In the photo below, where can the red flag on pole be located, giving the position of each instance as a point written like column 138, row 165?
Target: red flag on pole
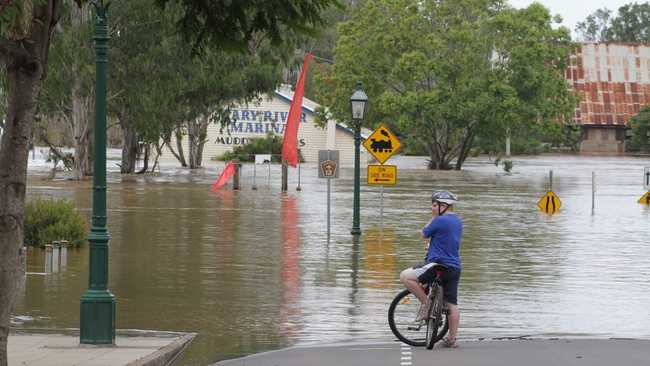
column 289, row 145
column 227, row 173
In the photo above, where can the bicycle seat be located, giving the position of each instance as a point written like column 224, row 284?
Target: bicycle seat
column 440, row 269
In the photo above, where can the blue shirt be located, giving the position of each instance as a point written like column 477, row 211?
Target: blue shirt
column 445, row 232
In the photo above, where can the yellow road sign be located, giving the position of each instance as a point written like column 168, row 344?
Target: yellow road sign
column 382, row 174
column 550, row 203
column 382, row 144
column 645, row 200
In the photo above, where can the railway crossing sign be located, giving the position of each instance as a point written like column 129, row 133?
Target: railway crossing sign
column 382, row 144
column 645, row 199
column 382, row 174
column 550, row 203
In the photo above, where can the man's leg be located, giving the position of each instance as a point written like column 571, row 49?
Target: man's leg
column 410, row 280
column 454, row 321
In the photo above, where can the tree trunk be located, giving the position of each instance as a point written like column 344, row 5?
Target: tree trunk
column 179, row 146
column 82, row 128
column 145, row 159
column 197, row 133
column 24, row 53
column 467, row 143
column 14, row 152
column 81, row 105
column 129, row 149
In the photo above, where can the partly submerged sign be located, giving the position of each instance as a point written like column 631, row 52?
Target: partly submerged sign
column 550, row 203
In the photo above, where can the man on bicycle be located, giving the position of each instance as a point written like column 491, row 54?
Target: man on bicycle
column 443, row 232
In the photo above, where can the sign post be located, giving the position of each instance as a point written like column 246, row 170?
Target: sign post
column 328, row 167
column 382, row 144
column 645, row 199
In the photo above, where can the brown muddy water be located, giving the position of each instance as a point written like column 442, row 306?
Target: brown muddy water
column 252, row 270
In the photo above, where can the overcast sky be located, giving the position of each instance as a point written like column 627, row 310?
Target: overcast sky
column 574, row 11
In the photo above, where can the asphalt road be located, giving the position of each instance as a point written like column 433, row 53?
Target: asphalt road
column 524, row 352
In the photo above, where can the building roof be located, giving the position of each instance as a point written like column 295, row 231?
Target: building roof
column 285, row 93
column 612, row 81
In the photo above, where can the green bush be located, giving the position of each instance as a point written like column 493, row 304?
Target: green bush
column 271, row 144
column 49, row 220
column 640, row 141
column 507, row 165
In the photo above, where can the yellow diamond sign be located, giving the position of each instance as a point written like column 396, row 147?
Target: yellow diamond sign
column 382, row 144
column 645, row 200
column 550, row 203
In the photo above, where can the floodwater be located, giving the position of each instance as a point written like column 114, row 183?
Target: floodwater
column 252, row 270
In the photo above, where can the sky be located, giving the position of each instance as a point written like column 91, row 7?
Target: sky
column 574, row 11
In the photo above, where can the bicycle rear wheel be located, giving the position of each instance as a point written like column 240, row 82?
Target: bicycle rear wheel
column 401, row 319
column 437, row 322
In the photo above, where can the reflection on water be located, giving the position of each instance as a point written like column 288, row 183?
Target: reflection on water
column 252, row 270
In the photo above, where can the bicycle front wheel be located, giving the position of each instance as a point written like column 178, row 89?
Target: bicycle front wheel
column 401, row 319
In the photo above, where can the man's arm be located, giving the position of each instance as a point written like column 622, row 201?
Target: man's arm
column 429, row 229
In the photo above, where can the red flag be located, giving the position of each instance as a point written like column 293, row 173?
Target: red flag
column 227, row 173
column 289, row 145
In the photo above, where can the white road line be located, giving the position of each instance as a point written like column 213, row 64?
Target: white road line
column 406, row 355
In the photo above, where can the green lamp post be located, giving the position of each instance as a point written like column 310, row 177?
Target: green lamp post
column 98, row 303
column 358, row 106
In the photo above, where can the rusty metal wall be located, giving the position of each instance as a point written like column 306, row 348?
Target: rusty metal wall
column 612, row 80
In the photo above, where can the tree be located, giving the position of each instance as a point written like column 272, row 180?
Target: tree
column 68, row 93
column 232, row 24
column 596, row 27
column 443, row 72
column 630, row 24
column 25, row 34
column 184, row 94
column 641, row 131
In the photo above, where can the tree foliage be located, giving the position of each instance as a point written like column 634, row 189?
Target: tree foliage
column 640, row 124
column 444, row 72
column 69, row 91
column 271, row 144
column 161, row 89
column 233, row 24
column 630, row 24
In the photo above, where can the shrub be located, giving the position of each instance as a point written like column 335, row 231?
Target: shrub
column 507, row 165
column 49, row 220
column 271, row 144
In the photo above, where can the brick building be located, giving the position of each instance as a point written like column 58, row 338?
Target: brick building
column 613, row 83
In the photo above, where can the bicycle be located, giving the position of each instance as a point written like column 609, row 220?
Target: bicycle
column 404, row 309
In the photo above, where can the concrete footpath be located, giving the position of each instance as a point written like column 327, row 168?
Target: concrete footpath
column 524, row 352
column 132, row 347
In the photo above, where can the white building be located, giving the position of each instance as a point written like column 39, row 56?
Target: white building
column 255, row 120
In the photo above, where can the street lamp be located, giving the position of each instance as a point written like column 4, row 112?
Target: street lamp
column 358, row 106
column 98, row 303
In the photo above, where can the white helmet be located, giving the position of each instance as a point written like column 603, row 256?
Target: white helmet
column 445, row 197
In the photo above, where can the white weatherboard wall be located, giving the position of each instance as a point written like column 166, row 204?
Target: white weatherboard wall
column 255, row 120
